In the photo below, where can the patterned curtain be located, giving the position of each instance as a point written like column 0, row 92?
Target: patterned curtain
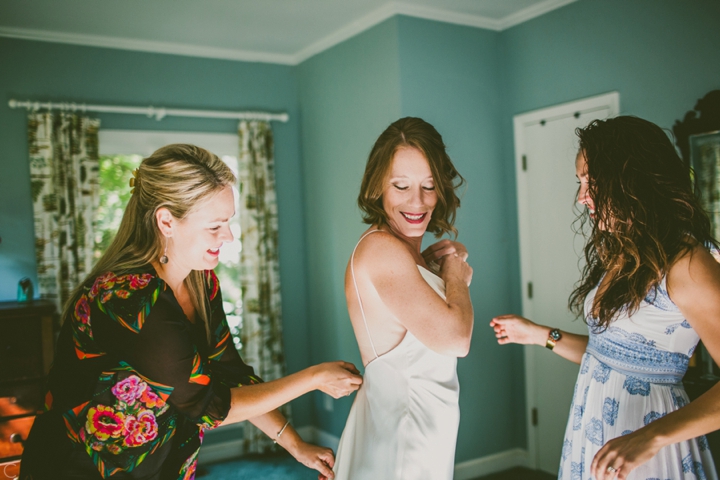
column 259, row 273
column 64, row 179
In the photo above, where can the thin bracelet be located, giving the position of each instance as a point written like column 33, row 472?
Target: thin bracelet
column 277, row 437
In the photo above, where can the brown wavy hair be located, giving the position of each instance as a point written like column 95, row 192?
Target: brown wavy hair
column 642, row 190
column 417, row 133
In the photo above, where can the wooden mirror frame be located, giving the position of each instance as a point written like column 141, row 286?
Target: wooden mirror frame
column 703, row 119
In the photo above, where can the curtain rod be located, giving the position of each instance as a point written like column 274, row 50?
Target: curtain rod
column 158, row 112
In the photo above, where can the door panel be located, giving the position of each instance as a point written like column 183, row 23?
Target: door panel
column 551, row 260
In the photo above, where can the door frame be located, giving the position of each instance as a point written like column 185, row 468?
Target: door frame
column 612, row 102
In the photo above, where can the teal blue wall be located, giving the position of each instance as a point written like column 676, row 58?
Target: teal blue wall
column 469, row 83
column 348, row 95
column 49, row 71
column 659, row 54
column 449, row 77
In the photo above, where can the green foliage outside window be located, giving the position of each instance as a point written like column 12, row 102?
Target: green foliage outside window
column 115, row 175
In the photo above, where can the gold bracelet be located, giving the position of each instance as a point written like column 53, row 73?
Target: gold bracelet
column 277, row 437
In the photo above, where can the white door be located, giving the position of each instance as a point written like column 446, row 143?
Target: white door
column 551, row 258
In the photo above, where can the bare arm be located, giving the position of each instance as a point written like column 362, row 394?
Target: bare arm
column 444, row 326
column 312, row 456
column 337, row 379
column 517, row 329
column 694, row 285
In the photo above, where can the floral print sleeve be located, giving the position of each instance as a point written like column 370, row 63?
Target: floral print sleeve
column 127, row 418
column 225, row 363
column 161, row 375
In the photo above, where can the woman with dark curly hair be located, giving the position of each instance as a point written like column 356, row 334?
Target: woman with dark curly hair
column 411, row 323
column 650, row 291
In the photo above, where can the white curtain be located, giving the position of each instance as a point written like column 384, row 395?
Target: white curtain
column 259, row 271
column 64, row 179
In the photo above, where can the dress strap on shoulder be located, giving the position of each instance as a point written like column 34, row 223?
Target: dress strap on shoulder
column 357, row 291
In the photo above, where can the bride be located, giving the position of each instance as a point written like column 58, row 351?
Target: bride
column 410, row 323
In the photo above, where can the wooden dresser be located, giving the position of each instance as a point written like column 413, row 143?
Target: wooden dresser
column 26, row 353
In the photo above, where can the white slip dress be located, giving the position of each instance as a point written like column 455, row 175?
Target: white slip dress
column 630, row 376
column 403, row 423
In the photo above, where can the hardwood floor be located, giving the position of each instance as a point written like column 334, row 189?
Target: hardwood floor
column 519, row 474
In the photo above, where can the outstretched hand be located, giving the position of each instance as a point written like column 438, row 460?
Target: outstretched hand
column 517, row 329
column 618, row 457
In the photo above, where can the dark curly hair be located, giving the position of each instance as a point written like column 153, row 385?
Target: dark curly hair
column 643, row 192
column 416, row 133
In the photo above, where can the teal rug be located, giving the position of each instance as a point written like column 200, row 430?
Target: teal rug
column 266, row 467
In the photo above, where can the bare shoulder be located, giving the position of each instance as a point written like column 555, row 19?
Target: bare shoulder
column 694, row 273
column 382, row 250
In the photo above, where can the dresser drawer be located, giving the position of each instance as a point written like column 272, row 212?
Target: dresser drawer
column 12, row 435
column 26, row 339
column 9, row 470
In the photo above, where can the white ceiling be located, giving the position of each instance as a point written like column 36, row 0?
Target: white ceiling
column 275, row 31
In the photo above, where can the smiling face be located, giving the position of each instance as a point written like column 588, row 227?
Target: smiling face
column 581, row 172
column 409, row 196
column 583, row 196
column 196, row 239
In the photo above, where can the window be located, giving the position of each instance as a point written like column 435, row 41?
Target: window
column 120, row 153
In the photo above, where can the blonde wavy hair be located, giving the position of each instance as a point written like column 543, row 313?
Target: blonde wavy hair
column 176, row 177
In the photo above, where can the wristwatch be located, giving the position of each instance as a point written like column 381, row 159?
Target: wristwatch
column 553, row 337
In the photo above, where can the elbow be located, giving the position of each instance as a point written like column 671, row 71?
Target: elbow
column 464, row 338
column 462, row 348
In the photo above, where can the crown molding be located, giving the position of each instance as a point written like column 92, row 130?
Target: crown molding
column 389, row 10
column 439, row 15
column 146, row 46
column 348, row 31
column 531, row 12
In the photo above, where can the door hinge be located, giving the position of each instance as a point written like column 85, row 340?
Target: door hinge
column 524, row 163
column 534, row 417
column 529, row 289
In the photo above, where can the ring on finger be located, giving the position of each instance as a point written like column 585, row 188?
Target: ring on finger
column 611, row 469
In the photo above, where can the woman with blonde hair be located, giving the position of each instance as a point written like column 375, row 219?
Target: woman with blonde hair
column 410, row 323
column 145, row 363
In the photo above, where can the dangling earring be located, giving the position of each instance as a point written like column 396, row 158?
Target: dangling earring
column 164, row 258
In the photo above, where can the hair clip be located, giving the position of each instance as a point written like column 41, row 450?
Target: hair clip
column 134, row 180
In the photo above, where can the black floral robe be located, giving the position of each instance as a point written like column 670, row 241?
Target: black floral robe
column 134, row 384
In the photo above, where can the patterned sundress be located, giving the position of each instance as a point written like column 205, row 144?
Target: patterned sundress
column 630, row 376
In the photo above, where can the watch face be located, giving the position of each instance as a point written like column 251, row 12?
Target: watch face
column 555, row 334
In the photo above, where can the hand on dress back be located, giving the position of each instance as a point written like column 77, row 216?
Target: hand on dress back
column 337, row 379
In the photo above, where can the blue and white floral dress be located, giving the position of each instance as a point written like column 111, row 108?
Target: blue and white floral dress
column 630, row 376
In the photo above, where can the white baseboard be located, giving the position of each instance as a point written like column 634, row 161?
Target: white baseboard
column 230, row 449
column 227, row 450
column 220, row 452
column 497, row 462
column 466, row 470
column 319, row 437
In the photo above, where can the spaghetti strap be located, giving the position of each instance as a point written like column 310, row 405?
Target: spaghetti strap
column 362, row 310
column 404, row 420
